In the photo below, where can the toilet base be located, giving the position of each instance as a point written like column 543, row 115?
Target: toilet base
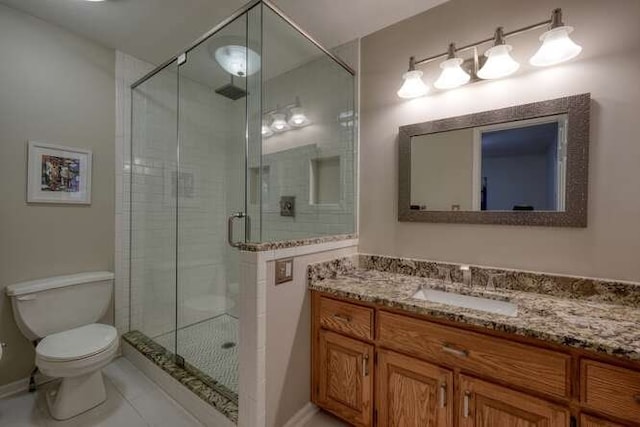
column 76, row 395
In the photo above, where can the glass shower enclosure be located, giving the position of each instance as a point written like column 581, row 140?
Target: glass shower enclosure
column 246, row 137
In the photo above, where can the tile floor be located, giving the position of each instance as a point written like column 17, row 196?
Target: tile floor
column 132, row 400
column 323, row 419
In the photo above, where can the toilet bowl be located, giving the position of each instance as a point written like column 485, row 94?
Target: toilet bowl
column 59, row 314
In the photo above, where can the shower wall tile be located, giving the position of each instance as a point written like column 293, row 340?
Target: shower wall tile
column 128, row 70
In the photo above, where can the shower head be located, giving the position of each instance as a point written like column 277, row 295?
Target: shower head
column 231, row 91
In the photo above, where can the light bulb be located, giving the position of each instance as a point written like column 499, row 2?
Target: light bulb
column 266, row 130
column 233, row 59
column 279, row 124
column 298, row 118
column 413, row 85
column 452, row 75
column 556, row 47
column 499, row 63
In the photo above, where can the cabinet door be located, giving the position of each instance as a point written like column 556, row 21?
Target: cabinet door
column 412, row 393
column 345, row 384
column 483, row 404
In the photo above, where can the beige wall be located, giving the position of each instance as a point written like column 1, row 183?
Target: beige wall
column 608, row 68
column 59, row 88
column 288, row 339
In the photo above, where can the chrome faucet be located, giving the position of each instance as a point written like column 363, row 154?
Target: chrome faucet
column 466, row 274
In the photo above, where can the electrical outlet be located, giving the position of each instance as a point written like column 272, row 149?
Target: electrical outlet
column 284, row 270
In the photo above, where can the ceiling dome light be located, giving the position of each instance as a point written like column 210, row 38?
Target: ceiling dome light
column 413, row 85
column 266, row 130
column 452, row 75
column 233, row 59
column 298, row 118
column 499, row 61
column 557, row 46
column 279, row 124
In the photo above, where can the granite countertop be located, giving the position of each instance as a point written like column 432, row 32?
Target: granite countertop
column 608, row 328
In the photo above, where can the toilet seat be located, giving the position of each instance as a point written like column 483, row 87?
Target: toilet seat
column 77, row 351
column 78, row 343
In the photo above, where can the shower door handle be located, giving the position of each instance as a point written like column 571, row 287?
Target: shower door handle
column 230, row 221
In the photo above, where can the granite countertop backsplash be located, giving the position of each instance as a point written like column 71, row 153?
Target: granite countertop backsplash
column 592, row 314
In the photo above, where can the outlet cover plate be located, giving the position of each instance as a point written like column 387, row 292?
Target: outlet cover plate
column 284, row 270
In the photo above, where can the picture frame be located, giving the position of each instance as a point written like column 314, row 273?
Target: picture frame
column 58, row 174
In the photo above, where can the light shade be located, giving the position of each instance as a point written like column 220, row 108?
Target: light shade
column 233, row 59
column 413, row 85
column 452, row 75
column 556, row 47
column 499, row 63
column 279, row 124
column 266, row 130
column 297, row 118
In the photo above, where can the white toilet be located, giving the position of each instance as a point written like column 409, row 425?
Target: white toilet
column 61, row 312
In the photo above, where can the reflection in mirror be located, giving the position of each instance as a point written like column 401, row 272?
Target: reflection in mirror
column 513, row 166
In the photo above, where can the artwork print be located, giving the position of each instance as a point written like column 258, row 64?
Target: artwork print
column 60, row 174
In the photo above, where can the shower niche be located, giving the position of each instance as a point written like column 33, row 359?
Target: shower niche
column 209, row 165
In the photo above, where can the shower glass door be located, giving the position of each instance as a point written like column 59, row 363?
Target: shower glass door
column 210, row 184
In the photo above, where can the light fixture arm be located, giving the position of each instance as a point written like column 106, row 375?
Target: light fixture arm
column 556, row 19
column 554, row 22
column 498, row 37
column 452, row 51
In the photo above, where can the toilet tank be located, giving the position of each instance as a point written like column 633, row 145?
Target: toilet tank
column 46, row 306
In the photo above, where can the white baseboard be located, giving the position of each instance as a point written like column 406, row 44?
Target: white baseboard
column 302, row 416
column 19, row 386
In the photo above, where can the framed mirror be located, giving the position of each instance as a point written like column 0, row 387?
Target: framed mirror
column 522, row 165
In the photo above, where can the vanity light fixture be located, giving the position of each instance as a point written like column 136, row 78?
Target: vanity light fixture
column 297, row 118
column 279, row 123
column 452, row 74
column 557, row 46
column 499, row 62
column 266, row 129
column 413, row 85
column 496, row 62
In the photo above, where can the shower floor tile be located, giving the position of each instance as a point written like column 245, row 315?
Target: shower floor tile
column 211, row 346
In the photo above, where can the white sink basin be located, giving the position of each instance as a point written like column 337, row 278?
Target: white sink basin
column 504, row 308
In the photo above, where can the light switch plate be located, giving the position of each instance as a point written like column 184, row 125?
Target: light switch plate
column 284, row 270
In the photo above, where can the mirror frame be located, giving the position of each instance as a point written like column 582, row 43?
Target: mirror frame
column 577, row 109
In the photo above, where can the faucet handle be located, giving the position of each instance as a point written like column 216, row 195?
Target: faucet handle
column 491, row 284
column 444, row 273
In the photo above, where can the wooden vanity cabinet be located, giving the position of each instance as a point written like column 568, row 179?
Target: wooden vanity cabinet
column 484, row 404
column 345, row 384
column 411, row 392
column 374, row 367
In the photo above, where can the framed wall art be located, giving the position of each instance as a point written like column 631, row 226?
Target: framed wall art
column 58, row 174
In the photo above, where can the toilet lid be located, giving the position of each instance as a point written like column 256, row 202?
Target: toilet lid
column 77, row 343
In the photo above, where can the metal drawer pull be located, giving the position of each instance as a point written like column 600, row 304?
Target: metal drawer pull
column 342, row 317
column 448, row 348
column 365, row 365
column 443, row 395
column 465, row 404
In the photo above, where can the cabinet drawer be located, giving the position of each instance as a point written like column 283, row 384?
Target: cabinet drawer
column 589, row 421
column 349, row 319
column 610, row 389
column 518, row 364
